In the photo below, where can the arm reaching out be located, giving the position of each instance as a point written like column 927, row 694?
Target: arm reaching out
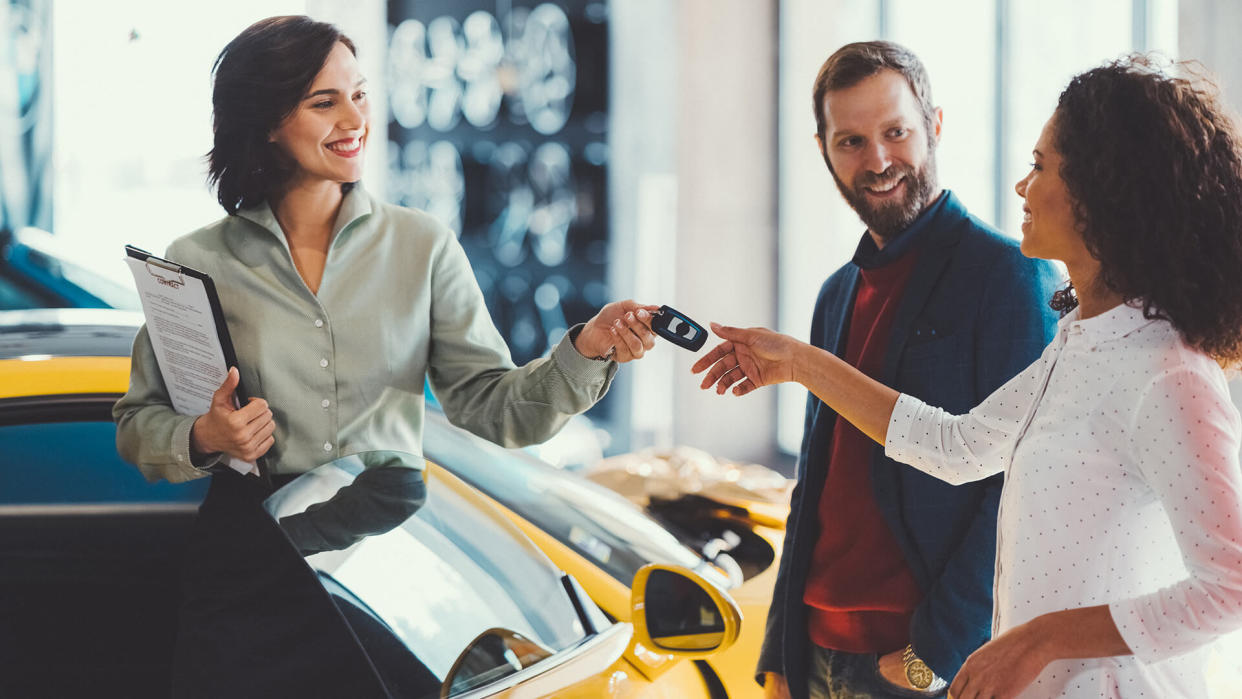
column 753, row 357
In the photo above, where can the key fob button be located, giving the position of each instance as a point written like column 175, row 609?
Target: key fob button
column 679, row 329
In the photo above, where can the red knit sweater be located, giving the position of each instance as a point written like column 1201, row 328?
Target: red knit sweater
column 860, row 593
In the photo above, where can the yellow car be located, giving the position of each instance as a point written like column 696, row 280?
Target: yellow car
column 89, row 560
column 602, row 539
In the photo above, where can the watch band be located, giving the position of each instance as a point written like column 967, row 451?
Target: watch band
column 918, row 674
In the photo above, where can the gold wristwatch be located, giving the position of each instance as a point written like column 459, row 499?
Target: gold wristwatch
column 918, row 674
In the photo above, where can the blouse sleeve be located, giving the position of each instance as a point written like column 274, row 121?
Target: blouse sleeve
column 475, row 379
column 149, row 433
column 964, row 448
column 1185, row 438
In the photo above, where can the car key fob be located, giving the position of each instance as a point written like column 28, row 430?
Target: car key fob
column 677, row 328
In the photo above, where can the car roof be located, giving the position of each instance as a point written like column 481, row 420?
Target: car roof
column 68, row 332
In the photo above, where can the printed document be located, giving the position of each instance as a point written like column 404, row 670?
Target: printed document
column 187, row 344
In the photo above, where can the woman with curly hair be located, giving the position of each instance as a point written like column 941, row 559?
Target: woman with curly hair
column 1119, row 547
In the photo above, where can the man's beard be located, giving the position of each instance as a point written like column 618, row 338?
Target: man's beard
column 888, row 219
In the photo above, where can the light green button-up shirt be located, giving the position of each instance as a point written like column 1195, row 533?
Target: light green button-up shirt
column 343, row 370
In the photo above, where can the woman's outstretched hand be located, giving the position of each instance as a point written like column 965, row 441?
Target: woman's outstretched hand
column 621, row 331
column 747, row 359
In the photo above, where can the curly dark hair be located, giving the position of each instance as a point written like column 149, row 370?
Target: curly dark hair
column 1152, row 164
column 260, row 78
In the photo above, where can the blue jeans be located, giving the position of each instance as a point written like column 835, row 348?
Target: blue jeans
column 839, row 675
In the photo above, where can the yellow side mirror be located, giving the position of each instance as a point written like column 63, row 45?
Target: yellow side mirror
column 676, row 611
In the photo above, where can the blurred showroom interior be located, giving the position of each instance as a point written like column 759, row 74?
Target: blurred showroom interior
column 584, row 151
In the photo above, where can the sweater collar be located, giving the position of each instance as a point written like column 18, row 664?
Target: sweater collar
column 941, row 215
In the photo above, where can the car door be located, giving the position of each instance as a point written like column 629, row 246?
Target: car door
column 90, row 554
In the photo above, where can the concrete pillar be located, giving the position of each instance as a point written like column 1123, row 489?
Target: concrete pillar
column 693, row 194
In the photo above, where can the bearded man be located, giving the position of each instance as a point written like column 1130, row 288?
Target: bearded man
column 885, row 582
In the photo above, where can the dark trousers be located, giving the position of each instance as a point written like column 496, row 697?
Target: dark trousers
column 254, row 619
column 838, row 675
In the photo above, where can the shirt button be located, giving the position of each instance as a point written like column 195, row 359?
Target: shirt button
column 323, row 363
column 325, row 403
column 318, row 323
column 327, row 446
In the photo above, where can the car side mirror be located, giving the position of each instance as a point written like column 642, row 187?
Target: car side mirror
column 493, row 654
column 676, row 611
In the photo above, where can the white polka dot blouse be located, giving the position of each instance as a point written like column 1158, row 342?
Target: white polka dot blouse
column 1122, row 487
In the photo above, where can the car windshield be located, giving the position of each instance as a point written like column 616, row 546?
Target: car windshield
column 437, row 580
column 598, row 524
column 37, row 260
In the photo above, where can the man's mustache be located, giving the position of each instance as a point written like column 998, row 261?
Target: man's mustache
column 889, row 176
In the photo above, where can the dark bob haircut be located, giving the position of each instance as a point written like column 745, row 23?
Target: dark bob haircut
column 260, row 78
column 1152, row 165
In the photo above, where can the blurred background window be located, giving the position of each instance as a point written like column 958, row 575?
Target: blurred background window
column 584, row 150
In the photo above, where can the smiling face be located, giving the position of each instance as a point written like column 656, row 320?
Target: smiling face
column 326, row 134
column 1049, row 227
column 880, row 153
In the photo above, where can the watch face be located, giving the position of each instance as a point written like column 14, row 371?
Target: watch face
column 919, row 675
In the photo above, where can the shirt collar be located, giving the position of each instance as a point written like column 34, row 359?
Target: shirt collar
column 354, row 206
column 869, row 256
column 1113, row 324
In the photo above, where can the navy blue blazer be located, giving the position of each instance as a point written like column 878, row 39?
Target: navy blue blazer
column 974, row 313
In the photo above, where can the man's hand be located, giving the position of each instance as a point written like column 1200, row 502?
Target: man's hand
column 775, row 686
column 244, row 433
column 1003, row 667
column 749, row 358
column 620, row 331
column 893, row 670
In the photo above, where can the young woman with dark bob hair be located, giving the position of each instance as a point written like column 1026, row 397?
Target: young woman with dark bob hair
column 1119, row 554
column 339, row 306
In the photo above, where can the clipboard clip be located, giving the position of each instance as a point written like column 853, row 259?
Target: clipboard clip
column 161, row 279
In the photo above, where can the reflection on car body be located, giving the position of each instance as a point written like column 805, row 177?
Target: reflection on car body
column 386, row 493
column 469, row 571
column 472, row 602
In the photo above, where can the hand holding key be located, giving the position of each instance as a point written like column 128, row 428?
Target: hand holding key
column 621, row 331
column 677, row 328
column 632, row 338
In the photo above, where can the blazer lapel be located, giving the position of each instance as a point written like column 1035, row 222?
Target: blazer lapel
column 835, row 325
column 834, row 329
column 933, row 258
